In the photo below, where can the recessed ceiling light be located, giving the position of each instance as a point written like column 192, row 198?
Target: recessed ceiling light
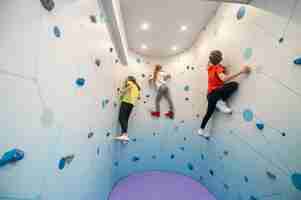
column 144, row 26
column 174, row 48
column 143, row 46
column 183, row 28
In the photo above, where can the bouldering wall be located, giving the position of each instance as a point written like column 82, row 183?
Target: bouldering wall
column 253, row 154
column 56, row 74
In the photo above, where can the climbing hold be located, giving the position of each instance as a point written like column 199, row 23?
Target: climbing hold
column 134, row 139
column 298, row 61
column 281, row 40
column 241, row 13
column 182, row 148
column 11, row 156
column 190, row 166
column 90, row 135
column 143, row 75
column 108, row 134
column 185, row 138
column 248, row 115
column 211, row 172
column 202, row 156
column 201, row 178
column 259, row 125
column 80, row 82
column 135, row 159
column 105, row 102
column 47, row 118
column 283, row 134
column 65, row 160
column 187, row 67
column 226, row 186
column 154, row 157
column 111, row 49
column 48, row 4
column 192, row 68
column 186, row 88
column 98, row 151
column 296, row 180
column 116, row 163
column 138, row 60
column 172, row 156
column 271, row 175
column 186, row 99
column 62, row 164
column 97, row 62
column 93, row 19
column 248, row 52
column 252, row 198
column 115, row 104
column 147, row 96
column 246, row 179
column 57, row 32
column 116, row 61
column 226, row 152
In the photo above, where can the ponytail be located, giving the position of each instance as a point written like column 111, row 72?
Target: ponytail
column 156, row 71
column 132, row 79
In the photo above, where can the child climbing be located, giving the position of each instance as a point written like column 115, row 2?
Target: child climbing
column 219, row 89
column 159, row 81
column 129, row 96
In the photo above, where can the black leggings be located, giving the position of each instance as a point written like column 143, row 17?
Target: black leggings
column 124, row 115
column 223, row 93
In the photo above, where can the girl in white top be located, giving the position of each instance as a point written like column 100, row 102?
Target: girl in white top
column 159, row 80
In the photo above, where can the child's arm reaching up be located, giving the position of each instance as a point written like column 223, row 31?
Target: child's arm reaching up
column 225, row 78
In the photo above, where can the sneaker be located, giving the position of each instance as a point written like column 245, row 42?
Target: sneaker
column 169, row 114
column 123, row 138
column 204, row 133
column 155, row 114
column 222, row 106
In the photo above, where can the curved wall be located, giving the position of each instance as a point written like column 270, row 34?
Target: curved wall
column 253, row 154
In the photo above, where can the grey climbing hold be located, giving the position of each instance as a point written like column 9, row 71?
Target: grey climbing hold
column 48, row 4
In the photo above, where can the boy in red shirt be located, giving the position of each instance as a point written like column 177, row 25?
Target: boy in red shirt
column 219, row 88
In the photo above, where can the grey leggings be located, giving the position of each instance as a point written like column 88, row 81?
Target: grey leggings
column 164, row 92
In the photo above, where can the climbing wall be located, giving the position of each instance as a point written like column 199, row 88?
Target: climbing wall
column 56, row 75
column 254, row 153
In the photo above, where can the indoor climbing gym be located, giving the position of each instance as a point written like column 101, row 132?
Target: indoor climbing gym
column 150, row 100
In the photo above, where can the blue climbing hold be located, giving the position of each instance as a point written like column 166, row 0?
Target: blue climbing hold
column 248, row 115
column 248, row 52
column 57, row 31
column 98, row 151
column 271, row 176
column 241, row 13
column 135, row 159
column 11, row 156
column 62, row 163
column 80, row 82
column 298, row 61
column 252, row 198
column 259, row 125
column 190, row 166
column 172, row 156
column 296, row 180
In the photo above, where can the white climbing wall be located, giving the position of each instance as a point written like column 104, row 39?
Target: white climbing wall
column 253, row 154
column 44, row 111
column 59, row 76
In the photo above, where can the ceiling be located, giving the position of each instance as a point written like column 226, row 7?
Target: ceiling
column 165, row 19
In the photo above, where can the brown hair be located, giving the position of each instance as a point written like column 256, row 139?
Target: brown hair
column 133, row 79
column 216, row 57
column 156, row 71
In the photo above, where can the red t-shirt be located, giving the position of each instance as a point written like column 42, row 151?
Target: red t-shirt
column 214, row 81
